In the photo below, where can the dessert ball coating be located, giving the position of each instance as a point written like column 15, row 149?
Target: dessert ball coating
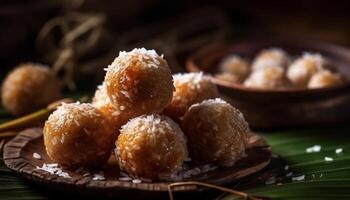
column 235, row 65
column 78, row 135
column 271, row 57
column 325, row 78
column 117, row 115
column 29, row 87
column 266, row 78
column 216, row 132
column 303, row 68
column 190, row 88
column 225, row 76
column 151, row 146
column 140, row 81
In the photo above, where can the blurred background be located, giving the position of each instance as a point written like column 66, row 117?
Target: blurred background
column 78, row 38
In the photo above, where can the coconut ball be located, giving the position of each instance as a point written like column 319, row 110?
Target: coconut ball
column 117, row 115
column 190, row 88
column 303, row 68
column 151, row 146
column 216, row 132
column 236, row 66
column 29, row 87
column 225, row 76
column 139, row 82
column 78, row 135
column 266, row 78
column 325, row 78
column 271, row 57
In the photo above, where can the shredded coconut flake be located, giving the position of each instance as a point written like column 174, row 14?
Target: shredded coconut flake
column 211, row 101
column 298, row 178
column 328, row 159
column 37, row 156
column 86, row 174
column 149, row 58
column 195, row 78
column 313, row 149
column 137, row 181
column 54, row 169
column 98, row 177
column 339, row 151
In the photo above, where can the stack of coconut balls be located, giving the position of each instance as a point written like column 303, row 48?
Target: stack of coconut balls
column 153, row 120
column 274, row 68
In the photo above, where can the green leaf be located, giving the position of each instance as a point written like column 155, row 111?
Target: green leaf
column 323, row 180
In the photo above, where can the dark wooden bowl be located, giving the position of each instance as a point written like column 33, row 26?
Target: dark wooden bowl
column 18, row 156
column 276, row 108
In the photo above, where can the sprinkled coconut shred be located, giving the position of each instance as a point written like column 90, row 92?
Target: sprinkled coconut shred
column 37, row 156
column 195, row 78
column 98, row 176
column 328, row 159
column 219, row 101
column 298, row 178
column 151, row 123
column 313, row 149
column 149, row 57
column 54, row 169
column 339, row 151
column 137, row 181
column 208, row 102
column 63, row 114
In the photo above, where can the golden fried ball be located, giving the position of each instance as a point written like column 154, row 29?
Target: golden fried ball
column 151, row 146
column 303, row 68
column 236, row 66
column 216, row 132
column 190, row 88
column 29, row 87
column 271, row 57
column 266, row 78
column 78, row 135
column 140, row 81
column 325, row 78
column 117, row 115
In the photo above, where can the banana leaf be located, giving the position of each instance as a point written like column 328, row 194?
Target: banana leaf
column 297, row 174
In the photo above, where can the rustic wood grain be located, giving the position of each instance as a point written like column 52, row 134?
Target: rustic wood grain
column 280, row 107
column 18, row 156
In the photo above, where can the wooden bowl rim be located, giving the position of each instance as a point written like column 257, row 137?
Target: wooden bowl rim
column 192, row 66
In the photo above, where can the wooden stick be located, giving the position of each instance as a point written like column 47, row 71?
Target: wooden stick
column 25, row 120
column 31, row 118
column 235, row 192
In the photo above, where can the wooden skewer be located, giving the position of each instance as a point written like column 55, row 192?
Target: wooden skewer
column 235, row 192
column 32, row 118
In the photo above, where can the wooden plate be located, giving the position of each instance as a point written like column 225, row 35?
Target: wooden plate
column 281, row 107
column 18, row 156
